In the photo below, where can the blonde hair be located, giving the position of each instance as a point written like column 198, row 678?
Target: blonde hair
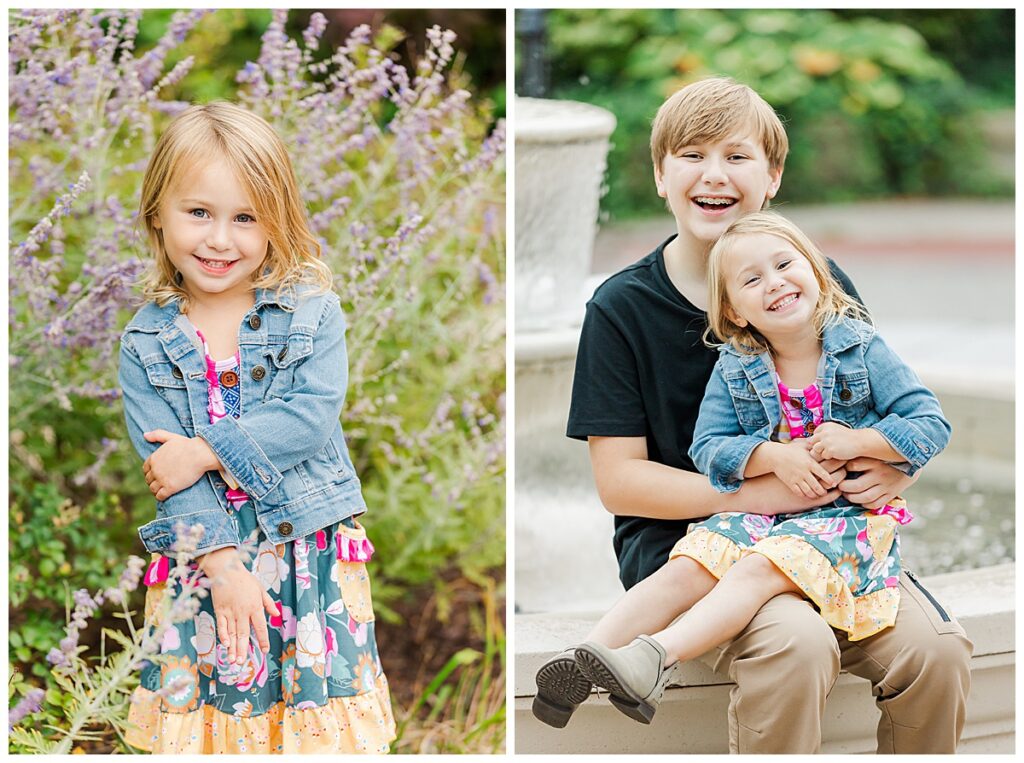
column 833, row 303
column 260, row 161
column 713, row 109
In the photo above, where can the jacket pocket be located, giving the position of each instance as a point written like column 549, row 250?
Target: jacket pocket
column 749, row 409
column 169, row 382
column 284, row 354
column 851, row 398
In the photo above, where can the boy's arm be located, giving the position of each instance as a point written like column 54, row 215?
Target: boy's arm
column 145, row 410
column 631, row 485
column 257, row 447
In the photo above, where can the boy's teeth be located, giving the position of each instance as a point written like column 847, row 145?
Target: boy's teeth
column 716, row 201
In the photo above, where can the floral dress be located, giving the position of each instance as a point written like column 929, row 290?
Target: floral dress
column 846, row 560
column 320, row 688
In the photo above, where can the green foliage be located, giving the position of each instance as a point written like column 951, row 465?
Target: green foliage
column 869, row 109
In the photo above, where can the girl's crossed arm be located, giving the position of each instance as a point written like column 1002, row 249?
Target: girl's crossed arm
column 192, row 504
column 272, row 437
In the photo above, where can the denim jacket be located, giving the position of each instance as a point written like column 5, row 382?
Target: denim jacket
column 863, row 384
column 286, row 450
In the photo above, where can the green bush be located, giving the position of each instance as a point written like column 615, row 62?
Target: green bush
column 869, row 110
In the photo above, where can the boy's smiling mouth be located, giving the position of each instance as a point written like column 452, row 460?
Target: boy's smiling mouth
column 713, row 203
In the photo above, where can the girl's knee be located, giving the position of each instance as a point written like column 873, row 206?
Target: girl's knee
column 683, row 570
column 759, row 569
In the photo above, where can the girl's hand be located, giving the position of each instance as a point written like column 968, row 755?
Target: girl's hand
column 877, row 484
column 834, row 441
column 239, row 602
column 800, row 471
column 177, row 464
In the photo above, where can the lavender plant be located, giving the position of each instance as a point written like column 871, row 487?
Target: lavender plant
column 403, row 175
column 99, row 688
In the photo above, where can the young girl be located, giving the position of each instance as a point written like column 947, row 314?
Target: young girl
column 800, row 384
column 234, row 375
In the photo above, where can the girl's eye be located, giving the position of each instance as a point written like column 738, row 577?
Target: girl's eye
column 752, row 279
column 690, row 155
column 200, row 213
column 784, row 264
column 737, row 157
column 243, row 218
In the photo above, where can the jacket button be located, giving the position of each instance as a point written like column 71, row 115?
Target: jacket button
column 176, row 373
column 285, row 528
column 845, row 394
column 281, row 355
column 750, row 388
column 254, row 322
column 258, row 372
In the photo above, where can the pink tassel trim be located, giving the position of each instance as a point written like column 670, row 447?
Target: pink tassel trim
column 158, row 571
column 352, row 550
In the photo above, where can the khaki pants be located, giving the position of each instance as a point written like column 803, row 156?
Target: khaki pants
column 787, row 659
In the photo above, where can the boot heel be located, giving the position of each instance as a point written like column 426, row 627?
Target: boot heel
column 550, row 713
column 642, row 712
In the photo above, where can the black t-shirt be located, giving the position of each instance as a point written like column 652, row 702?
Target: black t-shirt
column 641, row 371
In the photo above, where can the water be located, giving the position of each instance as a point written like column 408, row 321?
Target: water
column 958, row 526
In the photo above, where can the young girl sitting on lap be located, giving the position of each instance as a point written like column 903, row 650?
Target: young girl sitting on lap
column 801, row 384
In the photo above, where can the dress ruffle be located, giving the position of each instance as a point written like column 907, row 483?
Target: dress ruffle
column 362, row 723
column 809, row 569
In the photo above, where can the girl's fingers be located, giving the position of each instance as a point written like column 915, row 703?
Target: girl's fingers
column 259, row 626
column 269, row 605
column 222, row 629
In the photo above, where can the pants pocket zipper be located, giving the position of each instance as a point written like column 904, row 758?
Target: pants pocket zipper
column 913, row 579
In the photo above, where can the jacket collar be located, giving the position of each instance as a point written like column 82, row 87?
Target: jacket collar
column 154, row 318
column 838, row 337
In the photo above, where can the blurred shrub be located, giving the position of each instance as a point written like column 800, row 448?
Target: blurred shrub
column 402, row 171
column 869, row 110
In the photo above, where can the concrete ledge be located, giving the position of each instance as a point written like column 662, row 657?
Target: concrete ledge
column 692, row 718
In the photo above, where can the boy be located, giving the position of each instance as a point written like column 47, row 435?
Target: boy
column 718, row 151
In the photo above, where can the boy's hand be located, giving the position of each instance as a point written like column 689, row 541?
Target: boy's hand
column 876, row 484
column 177, row 464
column 800, row 471
column 239, row 602
column 834, row 441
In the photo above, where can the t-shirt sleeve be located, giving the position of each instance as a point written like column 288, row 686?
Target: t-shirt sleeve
column 606, row 396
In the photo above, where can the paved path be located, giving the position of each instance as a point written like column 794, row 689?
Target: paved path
column 938, row 276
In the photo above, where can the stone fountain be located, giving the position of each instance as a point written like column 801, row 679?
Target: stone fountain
column 564, row 559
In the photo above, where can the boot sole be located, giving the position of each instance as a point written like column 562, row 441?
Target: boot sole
column 621, row 697
column 561, row 688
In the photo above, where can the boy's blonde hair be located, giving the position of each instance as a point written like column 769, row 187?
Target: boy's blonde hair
column 833, row 303
column 255, row 152
column 714, row 109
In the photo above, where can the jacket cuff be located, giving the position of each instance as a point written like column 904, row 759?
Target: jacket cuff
column 159, row 536
column 912, row 445
column 726, row 468
column 241, row 456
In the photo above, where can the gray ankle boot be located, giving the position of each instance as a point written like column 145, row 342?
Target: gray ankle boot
column 561, row 687
column 634, row 676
